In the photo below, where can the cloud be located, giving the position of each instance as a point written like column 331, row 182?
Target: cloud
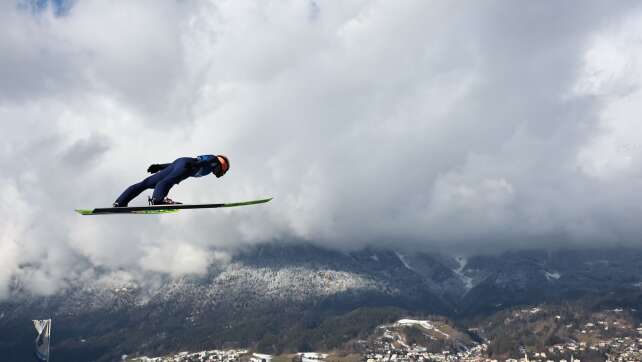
column 467, row 126
column 85, row 151
column 176, row 259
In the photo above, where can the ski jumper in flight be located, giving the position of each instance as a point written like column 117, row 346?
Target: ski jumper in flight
column 169, row 174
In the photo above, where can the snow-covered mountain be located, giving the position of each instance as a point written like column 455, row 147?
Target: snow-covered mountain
column 270, row 288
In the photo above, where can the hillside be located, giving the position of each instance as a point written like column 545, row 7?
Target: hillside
column 281, row 298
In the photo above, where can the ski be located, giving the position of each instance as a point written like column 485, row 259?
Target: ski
column 164, row 209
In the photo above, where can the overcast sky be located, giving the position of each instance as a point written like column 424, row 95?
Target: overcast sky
column 431, row 125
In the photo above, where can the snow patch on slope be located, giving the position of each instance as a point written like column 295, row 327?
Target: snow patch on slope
column 552, row 276
column 403, row 260
column 289, row 283
column 468, row 281
column 424, row 324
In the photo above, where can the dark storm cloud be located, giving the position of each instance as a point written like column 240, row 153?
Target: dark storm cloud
column 424, row 125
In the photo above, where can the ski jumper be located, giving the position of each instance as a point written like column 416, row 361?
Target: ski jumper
column 171, row 174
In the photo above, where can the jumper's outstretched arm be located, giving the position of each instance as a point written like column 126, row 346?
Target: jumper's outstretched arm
column 157, row 167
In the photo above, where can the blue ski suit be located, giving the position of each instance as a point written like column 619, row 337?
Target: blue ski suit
column 169, row 175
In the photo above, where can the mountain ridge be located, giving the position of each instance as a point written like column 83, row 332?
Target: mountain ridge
column 264, row 290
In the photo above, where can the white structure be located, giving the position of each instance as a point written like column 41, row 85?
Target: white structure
column 43, row 327
column 258, row 357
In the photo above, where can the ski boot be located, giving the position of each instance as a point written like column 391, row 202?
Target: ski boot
column 165, row 201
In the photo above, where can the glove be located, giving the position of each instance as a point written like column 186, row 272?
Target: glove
column 157, row 167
